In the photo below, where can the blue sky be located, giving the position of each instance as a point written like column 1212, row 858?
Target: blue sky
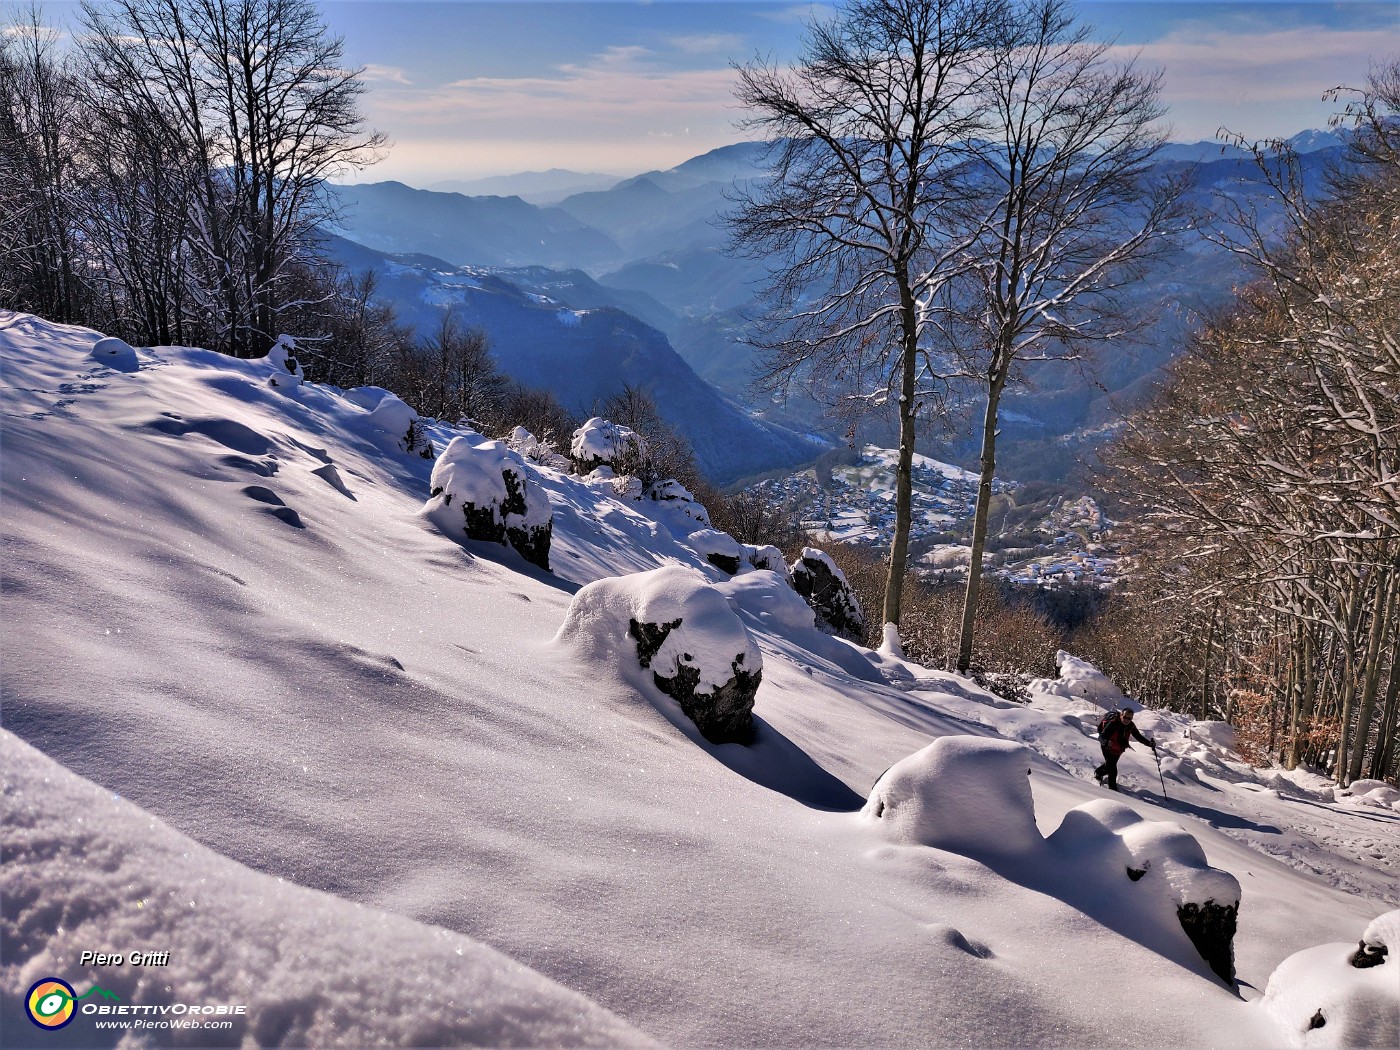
column 466, row 89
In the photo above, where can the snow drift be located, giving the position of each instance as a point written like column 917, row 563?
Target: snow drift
column 85, row 869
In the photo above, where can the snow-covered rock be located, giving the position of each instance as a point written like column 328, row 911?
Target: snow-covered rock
column 965, row 794
column 767, row 557
column 1371, row 793
column 391, row 415
column 1168, row 862
column 819, row 580
column 115, row 353
column 601, row 443
column 1080, row 680
column 768, row 596
column 684, row 633
column 85, row 870
column 677, row 507
column 1337, row 995
column 489, row 492
column 720, row 549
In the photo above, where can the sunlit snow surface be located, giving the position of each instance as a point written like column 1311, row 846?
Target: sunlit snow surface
column 292, row 667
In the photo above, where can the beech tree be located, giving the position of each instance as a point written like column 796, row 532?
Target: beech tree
column 865, row 219
column 1071, row 216
column 253, row 100
column 1273, row 454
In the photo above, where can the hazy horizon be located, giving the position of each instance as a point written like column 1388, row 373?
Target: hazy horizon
column 467, row 90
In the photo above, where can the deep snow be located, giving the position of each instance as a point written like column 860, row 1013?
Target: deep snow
column 292, row 667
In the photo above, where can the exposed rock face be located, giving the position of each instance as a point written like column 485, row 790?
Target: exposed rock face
column 816, row 577
column 724, row 715
column 684, row 632
column 719, row 549
column 1164, row 863
column 1211, row 927
column 601, row 443
column 497, row 497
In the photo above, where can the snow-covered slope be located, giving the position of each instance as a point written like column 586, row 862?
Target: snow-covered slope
column 224, row 604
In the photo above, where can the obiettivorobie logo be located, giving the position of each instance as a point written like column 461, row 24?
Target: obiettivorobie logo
column 51, row 1002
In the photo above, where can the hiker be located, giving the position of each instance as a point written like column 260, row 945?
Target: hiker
column 1114, row 730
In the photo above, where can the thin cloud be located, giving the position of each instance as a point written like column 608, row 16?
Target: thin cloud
column 707, row 43
column 1300, row 63
column 390, row 74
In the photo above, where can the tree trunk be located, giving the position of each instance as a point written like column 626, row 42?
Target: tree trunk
column 904, row 470
column 1385, row 610
column 979, row 522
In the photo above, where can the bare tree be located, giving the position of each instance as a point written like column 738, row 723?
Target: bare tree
column 864, row 217
column 256, row 94
column 39, row 252
column 1066, row 162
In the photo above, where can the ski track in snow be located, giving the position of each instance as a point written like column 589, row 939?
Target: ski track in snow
column 299, row 672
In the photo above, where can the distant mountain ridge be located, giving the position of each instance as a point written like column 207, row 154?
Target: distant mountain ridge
column 651, row 245
column 535, row 187
column 567, row 334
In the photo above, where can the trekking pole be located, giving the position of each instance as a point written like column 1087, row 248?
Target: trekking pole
column 1159, row 770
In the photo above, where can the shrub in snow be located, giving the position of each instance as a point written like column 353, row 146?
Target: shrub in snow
column 534, row 450
column 618, row 486
column 287, row 373
column 681, row 630
column 488, row 490
column 817, row 578
column 1162, row 857
column 115, row 353
column 1338, row 996
column 965, row 794
column 599, row 443
column 720, row 549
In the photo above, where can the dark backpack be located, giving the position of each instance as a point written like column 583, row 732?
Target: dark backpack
column 1106, row 721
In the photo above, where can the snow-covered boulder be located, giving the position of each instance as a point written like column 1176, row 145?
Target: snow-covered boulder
column 673, row 624
column 767, row 557
column 600, row 443
column 679, row 509
column 1370, row 793
column 488, row 490
column 1167, row 864
column 390, row 414
column 115, row 353
column 1335, row 995
column 965, row 794
column 1080, row 680
column 818, row 579
column 720, row 549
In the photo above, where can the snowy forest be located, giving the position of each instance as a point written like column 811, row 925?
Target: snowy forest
column 416, row 699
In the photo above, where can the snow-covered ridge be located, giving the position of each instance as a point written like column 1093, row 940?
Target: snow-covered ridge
column 293, row 667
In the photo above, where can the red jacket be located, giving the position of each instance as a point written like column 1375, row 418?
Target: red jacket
column 1114, row 736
